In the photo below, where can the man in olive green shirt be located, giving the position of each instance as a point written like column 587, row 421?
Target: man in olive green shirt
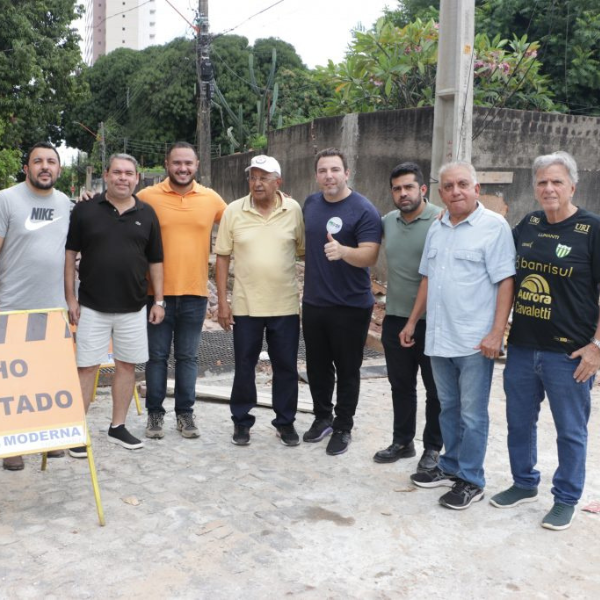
column 405, row 230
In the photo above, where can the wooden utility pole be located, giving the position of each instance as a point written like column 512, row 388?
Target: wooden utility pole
column 204, row 73
column 453, row 112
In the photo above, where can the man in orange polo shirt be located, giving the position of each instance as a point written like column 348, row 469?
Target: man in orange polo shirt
column 187, row 212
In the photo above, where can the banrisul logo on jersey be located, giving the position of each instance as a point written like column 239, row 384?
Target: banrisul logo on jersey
column 562, row 250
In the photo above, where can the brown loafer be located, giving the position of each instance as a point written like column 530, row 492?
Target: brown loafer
column 13, row 463
column 56, row 453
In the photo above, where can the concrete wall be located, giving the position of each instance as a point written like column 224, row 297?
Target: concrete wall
column 505, row 141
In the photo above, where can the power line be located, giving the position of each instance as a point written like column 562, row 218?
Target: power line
column 248, row 19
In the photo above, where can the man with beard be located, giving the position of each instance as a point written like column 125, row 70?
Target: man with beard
column 34, row 218
column 405, row 230
column 186, row 212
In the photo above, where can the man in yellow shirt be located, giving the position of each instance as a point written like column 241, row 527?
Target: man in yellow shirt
column 265, row 232
column 187, row 212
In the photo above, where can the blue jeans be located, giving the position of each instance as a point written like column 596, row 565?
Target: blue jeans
column 182, row 326
column 283, row 334
column 528, row 374
column 463, row 384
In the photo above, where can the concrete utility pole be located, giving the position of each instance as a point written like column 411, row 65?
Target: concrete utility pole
column 204, row 72
column 453, row 112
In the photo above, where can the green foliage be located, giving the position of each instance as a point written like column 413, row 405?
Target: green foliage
column 147, row 99
column 10, row 163
column 39, row 61
column 385, row 68
column 569, row 36
column 507, row 75
column 259, row 88
column 411, row 10
column 394, row 67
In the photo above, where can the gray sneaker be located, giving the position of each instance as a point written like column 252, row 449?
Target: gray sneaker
column 154, row 426
column 513, row 496
column 560, row 517
column 434, row 478
column 186, row 425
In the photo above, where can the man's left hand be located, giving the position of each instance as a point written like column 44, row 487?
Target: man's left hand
column 157, row 314
column 490, row 345
column 589, row 364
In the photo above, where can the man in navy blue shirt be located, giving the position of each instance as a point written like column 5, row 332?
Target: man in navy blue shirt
column 343, row 235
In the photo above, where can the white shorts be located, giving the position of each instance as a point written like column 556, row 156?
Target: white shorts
column 127, row 330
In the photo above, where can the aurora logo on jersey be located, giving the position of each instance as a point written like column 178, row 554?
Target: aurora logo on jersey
column 562, row 250
column 534, row 298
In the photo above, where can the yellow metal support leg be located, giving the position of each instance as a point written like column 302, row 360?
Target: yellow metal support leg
column 95, row 486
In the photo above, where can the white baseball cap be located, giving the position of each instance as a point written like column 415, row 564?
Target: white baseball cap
column 265, row 163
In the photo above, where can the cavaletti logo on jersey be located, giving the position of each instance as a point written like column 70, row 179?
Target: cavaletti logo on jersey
column 534, row 220
column 534, row 298
column 582, row 228
column 527, row 244
column 562, row 250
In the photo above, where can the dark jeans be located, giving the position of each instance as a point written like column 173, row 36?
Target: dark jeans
column 182, row 325
column 402, row 367
column 335, row 338
column 282, row 334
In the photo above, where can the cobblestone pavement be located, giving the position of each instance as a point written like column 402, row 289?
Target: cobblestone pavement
column 207, row 519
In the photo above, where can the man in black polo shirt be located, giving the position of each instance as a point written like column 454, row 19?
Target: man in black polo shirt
column 118, row 237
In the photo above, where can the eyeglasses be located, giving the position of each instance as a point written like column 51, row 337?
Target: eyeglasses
column 254, row 179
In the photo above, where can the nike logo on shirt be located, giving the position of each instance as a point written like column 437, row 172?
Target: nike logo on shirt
column 33, row 225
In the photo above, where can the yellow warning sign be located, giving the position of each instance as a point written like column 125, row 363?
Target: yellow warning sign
column 41, row 407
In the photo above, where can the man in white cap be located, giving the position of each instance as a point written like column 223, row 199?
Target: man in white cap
column 265, row 232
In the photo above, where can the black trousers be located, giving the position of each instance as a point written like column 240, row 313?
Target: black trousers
column 282, row 340
column 335, row 338
column 402, row 367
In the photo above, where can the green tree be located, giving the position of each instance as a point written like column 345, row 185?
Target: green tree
column 10, row 163
column 391, row 67
column 147, row 99
column 568, row 34
column 299, row 95
column 39, row 63
column 569, row 37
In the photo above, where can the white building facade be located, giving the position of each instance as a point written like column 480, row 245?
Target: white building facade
column 112, row 24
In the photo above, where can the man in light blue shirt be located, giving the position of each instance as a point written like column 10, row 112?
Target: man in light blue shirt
column 468, row 266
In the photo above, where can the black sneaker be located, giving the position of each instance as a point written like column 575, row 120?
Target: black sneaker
column 186, row 425
column 120, row 435
column 433, row 478
column 241, row 435
column 462, row 495
column 318, row 430
column 395, row 452
column 78, row 452
column 154, row 426
column 288, row 434
column 338, row 444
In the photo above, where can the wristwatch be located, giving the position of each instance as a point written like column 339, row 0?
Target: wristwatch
column 160, row 303
column 595, row 342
